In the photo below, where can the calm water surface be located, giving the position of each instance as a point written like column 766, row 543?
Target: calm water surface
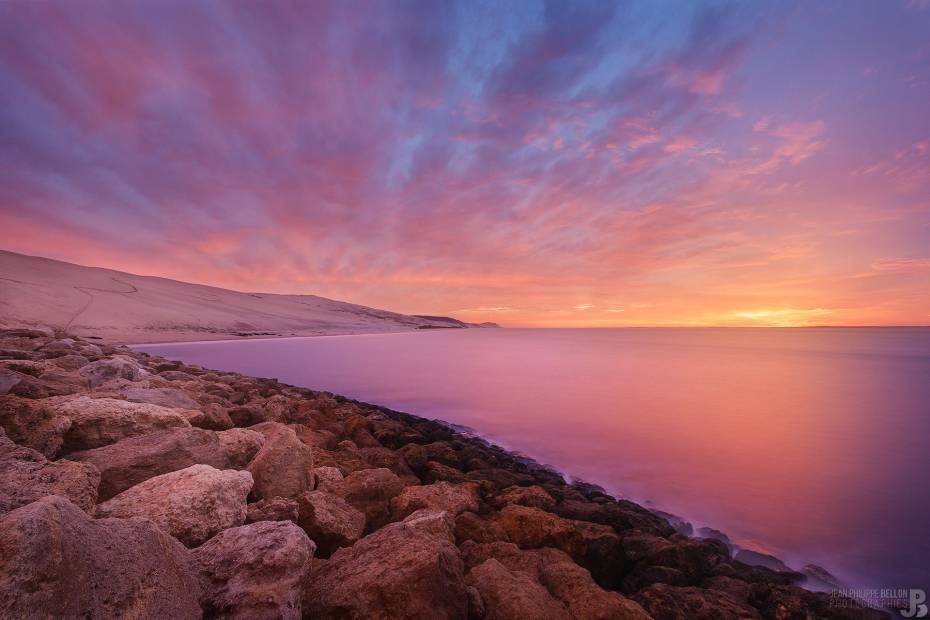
column 812, row 444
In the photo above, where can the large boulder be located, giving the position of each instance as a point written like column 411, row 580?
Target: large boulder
column 97, row 422
column 369, row 490
column 594, row 546
column 329, row 520
column 277, row 509
column 507, row 595
column 166, row 397
column 561, row 577
column 240, row 445
column 116, row 367
column 680, row 562
column 128, row 462
column 56, row 562
column 71, row 362
column 409, row 569
column 282, row 467
column 255, row 571
column 33, row 424
column 25, row 476
column 439, row 496
column 192, row 504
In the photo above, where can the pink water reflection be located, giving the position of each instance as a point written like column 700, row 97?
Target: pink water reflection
column 807, row 443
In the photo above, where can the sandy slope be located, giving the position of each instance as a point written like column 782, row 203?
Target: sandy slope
column 127, row 308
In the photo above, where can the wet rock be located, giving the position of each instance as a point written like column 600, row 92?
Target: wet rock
column 31, row 423
column 26, row 476
column 435, row 472
column 277, row 509
column 709, row 532
column 56, row 562
column 415, row 455
column 533, row 496
column 192, row 504
column 166, row 397
column 282, row 466
column 508, row 595
column 440, row 496
column 410, row 569
column 116, row 367
column 500, row 478
column 690, row 603
column 97, row 422
column 683, row 562
column 240, row 445
column 754, row 558
column 619, row 514
column 255, row 571
column 128, row 462
column 329, row 520
column 819, row 578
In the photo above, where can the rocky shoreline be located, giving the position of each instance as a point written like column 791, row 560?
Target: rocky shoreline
column 135, row 486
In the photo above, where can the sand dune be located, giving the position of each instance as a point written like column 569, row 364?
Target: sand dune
column 123, row 307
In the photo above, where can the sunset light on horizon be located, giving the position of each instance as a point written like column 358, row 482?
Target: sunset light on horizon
column 528, row 163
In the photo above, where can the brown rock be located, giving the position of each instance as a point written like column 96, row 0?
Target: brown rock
column 594, row 546
column 192, row 504
column 370, row 490
column 25, row 476
column 71, row 362
column 166, row 397
column 690, row 603
column 574, row 586
column 277, row 509
column 327, row 477
column 435, row 472
column 31, row 423
column 329, row 520
column 212, row 417
column 255, row 571
column 56, row 562
column 283, row 464
column 439, row 496
column 128, row 462
column 97, row 422
column 562, row 578
column 116, row 367
column 534, row 496
column 240, row 445
column 469, row 526
column 410, row 569
column 508, row 595
column 682, row 562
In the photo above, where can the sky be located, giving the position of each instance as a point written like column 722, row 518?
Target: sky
column 530, row 163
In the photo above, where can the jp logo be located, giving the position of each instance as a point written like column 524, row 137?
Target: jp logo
column 917, row 605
